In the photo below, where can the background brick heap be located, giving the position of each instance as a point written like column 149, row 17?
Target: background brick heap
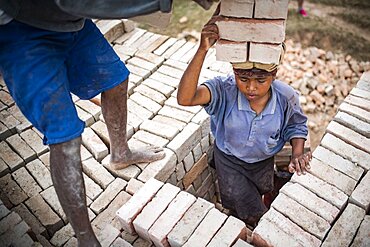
column 251, row 30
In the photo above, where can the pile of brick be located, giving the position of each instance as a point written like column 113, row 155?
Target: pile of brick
column 251, row 30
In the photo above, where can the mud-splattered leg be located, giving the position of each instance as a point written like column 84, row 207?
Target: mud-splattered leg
column 66, row 173
column 114, row 108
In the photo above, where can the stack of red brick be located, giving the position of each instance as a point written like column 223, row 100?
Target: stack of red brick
column 251, row 30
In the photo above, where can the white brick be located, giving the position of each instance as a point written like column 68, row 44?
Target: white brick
column 360, row 93
column 146, row 102
column 242, row 9
column 34, row 141
column 127, row 51
column 229, row 232
column 138, row 71
column 134, row 185
column 171, row 50
column 21, row 147
column 269, row 31
column 264, row 53
column 357, row 101
column 51, row 198
column 154, row 209
column 159, row 129
column 160, row 169
column 308, row 220
column 241, row 243
column 108, row 195
column 233, row 52
column 180, row 115
column 170, row 71
column 166, row 45
column 353, row 123
column 343, row 165
column 127, row 173
column 361, row 195
column 355, row 111
column 332, row 176
column 310, row 201
column 189, row 222
column 128, row 212
column 203, row 119
column 142, row 63
column 172, row 101
column 322, row 189
column 111, row 29
column 186, row 140
column 90, row 107
column 101, row 130
column 206, row 229
column 151, row 44
column 85, row 116
column 362, row 236
column 26, row 182
column 94, row 144
column 13, row 160
column 170, row 121
column 62, row 236
column 344, row 229
column 168, row 80
column 188, row 161
column 346, row 150
column 182, row 51
column 180, row 171
column 176, row 64
column 40, row 173
column 159, row 86
column 164, row 224
column 150, row 138
column 107, row 235
column 97, row 172
column 93, row 190
column 138, row 110
column 271, row 9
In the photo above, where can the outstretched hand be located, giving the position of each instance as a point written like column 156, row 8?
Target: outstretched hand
column 300, row 164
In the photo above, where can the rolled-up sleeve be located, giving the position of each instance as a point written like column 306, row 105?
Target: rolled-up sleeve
column 296, row 126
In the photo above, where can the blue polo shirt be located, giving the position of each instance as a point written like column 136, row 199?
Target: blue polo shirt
column 240, row 132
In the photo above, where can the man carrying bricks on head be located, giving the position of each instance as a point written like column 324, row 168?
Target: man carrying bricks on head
column 252, row 116
column 47, row 53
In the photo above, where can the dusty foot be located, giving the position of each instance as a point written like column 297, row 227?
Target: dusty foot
column 141, row 155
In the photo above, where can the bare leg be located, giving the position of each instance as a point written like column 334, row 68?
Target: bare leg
column 66, row 173
column 114, row 108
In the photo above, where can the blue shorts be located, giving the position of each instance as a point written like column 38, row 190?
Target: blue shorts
column 42, row 68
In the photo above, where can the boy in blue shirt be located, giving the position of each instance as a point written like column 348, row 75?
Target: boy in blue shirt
column 252, row 116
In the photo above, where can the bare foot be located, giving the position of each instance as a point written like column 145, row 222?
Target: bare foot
column 134, row 156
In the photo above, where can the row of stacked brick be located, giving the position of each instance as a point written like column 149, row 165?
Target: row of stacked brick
column 251, row 30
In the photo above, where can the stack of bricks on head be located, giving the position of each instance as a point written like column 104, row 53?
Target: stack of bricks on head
column 254, row 30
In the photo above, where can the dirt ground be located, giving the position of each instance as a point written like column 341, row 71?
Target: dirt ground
column 339, row 26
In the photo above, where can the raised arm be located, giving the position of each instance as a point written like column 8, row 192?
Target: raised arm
column 189, row 93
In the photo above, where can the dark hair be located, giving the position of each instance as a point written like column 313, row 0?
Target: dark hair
column 245, row 73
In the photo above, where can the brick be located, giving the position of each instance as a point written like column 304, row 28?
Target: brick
column 203, row 119
column 4, row 169
column 361, row 195
column 264, row 53
column 357, row 112
column 301, row 237
column 40, row 173
column 310, row 201
column 154, row 209
column 170, row 121
column 269, row 31
column 160, row 169
column 177, row 114
column 362, row 236
column 195, row 171
column 138, row 110
column 149, row 138
column 51, row 198
column 146, row 102
column 168, row 80
column 101, row 130
column 138, row 71
column 24, row 123
column 119, row 242
column 109, row 214
column 31, row 220
column 107, row 235
column 170, row 71
column 171, row 50
column 186, row 140
column 45, row 214
column 133, row 120
column 207, row 228
column 97, row 172
column 242, row 9
column 205, row 186
column 346, row 150
column 9, row 221
column 165, row 46
column 111, row 29
column 85, row 116
column 21, row 147
column 348, row 135
column 363, row 84
column 128, row 237
column 142, row 243
column 182, row 51
column 135, row 79
column 180, row 171
column 34, row 141
column 134, row 185
column 164, row 224
column 159, row 86
column 241, row 243
column 6, row 98
column 72, row 242
column 128, row 212
column 176, row 64
column 189, row 222
column 93, row 190
column 108, row 195
column 230, row 51
column 127, row 173
column 360, row 93
column 190, row 54
column 94, row 144
column 342, row 233
column 140, row 41
column 343, row 165
column 62, row 236
column 306, row 219
column 129, row 38
column 232, row 230
column 322, row 189
column 357, row 101
column 4, row 132
column 26, row 182
column 365, row 77
column 153, row 43
column 9, row 121
column 271, row 9
column 160, row 129
column 151, row 94
column 188, row 162
column 139, row 62
column 172, row 101
column 197, row 152
column 90, row 107
column 205, row 144
column 3, row 210
column 125, row 50
column 332, row 176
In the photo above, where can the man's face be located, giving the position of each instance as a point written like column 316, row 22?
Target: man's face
column 254, row 87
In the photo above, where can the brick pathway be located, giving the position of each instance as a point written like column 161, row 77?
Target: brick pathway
column 326, row 200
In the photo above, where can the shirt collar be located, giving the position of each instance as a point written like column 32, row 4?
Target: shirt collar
column 243, row 103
